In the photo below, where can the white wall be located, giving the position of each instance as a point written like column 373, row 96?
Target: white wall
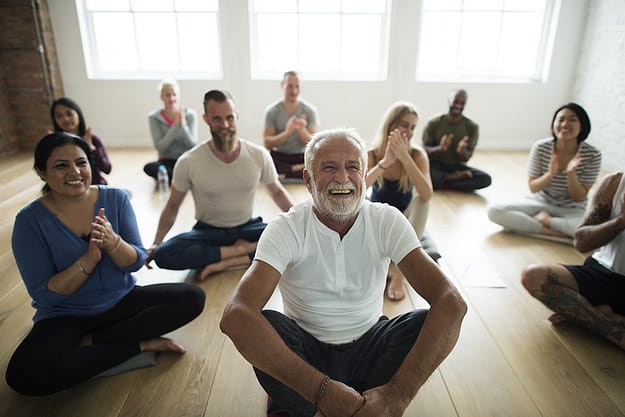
column 511, row 116
column 600, row 83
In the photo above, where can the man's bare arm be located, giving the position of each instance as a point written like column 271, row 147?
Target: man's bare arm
column 280, row 195
column 271, row 138
column 246, row 326
column 305, row 133
column 597, row 228
column 166, row 220
column 440, row 330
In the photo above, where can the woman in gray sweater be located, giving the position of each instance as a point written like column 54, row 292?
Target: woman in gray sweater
column 174, row 129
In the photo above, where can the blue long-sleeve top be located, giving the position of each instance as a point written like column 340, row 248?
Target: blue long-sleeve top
column 43, row 246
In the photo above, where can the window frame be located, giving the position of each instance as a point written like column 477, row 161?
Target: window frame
column 88, row 39
column 380, row 75
column 543, row 57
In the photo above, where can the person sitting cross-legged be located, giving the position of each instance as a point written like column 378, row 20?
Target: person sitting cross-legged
column 399, row 175
column 76, row 248
column 289, row 125
column 332, row 352
column 222, row 174
column 593, row 294
column 450, row 140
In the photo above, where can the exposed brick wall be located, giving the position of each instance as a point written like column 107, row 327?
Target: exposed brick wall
column 27, row 82
column 600, row 81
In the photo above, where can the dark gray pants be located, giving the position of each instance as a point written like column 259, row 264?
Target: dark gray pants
column 440, row 171
column 365, row 363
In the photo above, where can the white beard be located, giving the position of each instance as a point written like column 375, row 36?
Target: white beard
column 338, row 209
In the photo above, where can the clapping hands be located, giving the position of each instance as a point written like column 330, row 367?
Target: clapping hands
column 573, row 163
column 102, row 233
column 296, row 123
column 446, row 141
column 398, row 145
column 463, row 146
column 179, row 116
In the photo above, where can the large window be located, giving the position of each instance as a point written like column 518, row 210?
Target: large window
column 510, row 40
column 150, row 38
column 323, row 39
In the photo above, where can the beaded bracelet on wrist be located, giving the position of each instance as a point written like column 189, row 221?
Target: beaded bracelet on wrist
column 322, row 389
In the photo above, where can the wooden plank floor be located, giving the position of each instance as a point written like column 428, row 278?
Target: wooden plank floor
column 509, row 361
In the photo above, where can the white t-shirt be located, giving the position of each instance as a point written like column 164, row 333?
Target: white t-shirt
column 334, row 288
column 223, row 193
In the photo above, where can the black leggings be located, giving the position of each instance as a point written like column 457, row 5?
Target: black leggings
column 51, row 358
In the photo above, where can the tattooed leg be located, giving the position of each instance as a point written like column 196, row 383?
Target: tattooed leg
column 573, row 306
column 607, row 310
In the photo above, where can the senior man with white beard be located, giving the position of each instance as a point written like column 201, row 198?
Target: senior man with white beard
column 332, row 352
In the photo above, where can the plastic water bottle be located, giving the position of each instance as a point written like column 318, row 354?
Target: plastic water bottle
column 163, row 182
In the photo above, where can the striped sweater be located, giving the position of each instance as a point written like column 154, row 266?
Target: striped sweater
column 557, row 192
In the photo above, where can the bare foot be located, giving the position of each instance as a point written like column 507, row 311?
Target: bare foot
column 222, row 265
column 161, row 344
column 244, row 247
column 459, row 175
column 395, row 285
column 544, row 218
column 211, row 269
column 297, row 167
column 607, row 310
column 466, row 174
column 618, row 320
column 557, row 319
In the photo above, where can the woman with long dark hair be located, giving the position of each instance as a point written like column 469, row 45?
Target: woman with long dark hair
column 67, row 117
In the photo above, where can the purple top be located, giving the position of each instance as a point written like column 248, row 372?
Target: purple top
column 101, row 162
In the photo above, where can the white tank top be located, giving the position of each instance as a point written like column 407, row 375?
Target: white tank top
column 612, row 255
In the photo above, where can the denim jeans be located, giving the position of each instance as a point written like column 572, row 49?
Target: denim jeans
column 200, row 246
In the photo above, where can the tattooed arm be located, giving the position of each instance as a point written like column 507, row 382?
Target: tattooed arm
column 597, row 228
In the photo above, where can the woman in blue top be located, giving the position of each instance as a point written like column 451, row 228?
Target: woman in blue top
column 399, row 175
column 76, row 247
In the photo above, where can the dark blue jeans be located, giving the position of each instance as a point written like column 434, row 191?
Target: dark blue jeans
column 365, row 363
column 200, row 246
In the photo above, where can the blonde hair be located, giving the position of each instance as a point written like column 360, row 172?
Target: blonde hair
column 391, row 120
column 169, row 82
